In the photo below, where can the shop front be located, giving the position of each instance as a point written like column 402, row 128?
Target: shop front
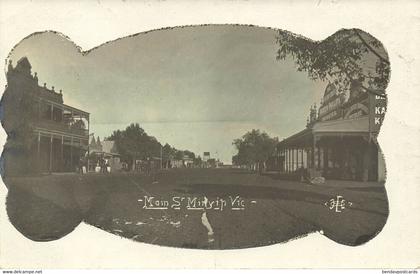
column 338, row 143
column 346, row 150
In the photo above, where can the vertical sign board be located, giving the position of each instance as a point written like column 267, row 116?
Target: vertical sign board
column 377, row 109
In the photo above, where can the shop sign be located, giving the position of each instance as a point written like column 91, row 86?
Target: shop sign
column 377, row 109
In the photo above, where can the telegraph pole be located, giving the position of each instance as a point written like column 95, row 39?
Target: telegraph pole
column 161, row 157
column 88, row 150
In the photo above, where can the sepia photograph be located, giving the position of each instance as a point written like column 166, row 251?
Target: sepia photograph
column 209, row 135
column 203, row 137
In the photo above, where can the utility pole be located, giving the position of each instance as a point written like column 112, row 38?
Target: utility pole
column 161, row 156
column 88, row 150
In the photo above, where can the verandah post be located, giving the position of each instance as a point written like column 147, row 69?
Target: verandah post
column 51, row 152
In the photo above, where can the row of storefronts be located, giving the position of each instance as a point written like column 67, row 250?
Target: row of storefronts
column 339, row 141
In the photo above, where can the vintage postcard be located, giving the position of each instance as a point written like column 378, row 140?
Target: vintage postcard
column 215, row 136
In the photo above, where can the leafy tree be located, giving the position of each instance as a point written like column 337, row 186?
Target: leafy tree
column 349, row 57
column 168, row 152
column 188, row 153
column 179, row 155
column 198, row 161
column 254, row 148
column 235, row 160
column 134, row 143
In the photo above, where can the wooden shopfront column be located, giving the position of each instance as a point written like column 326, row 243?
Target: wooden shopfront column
column 51, row 153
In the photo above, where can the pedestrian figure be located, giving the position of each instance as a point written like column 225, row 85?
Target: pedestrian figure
column 147, row 166
column 102, row 165
column 152, row 172
column 98, row 167
column 107, row 167
column 80, row 166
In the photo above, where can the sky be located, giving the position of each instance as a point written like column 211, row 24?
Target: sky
column 196, row 88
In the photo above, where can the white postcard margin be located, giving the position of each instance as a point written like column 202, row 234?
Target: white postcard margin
column 90, row 23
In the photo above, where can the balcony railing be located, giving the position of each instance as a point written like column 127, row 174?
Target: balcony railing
column 61, row 126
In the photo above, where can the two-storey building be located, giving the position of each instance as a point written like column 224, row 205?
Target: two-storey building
column 44, row 134
column 339, row 141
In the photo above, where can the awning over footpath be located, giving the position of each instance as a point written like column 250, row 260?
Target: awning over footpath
column 343, row 127
column 303, row 138
column 103, row 153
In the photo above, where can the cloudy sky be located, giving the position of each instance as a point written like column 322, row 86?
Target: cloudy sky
column 196, row 88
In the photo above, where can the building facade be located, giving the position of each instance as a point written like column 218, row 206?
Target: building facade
column 340, row 140
column 104, row 153
column 45, row 134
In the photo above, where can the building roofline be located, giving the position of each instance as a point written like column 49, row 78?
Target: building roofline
column 291, row 139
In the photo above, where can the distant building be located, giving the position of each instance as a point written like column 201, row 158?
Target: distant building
column 208, row 162
column 112, row 156
column 187, row 161
column 45, row 135
column 206, row 156
column 107, row 151
column 95, row 146
column 211, row 163
column 175, row 163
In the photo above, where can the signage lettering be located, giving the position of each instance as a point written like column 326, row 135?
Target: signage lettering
column 377, row 109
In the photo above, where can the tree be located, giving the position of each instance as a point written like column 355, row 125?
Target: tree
column 198, row 162
column 179, row 155
column 190, row 154
column 254, row 148
column 168, row 152
column 235, row 160
column 346, row 58
column 134, row 143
